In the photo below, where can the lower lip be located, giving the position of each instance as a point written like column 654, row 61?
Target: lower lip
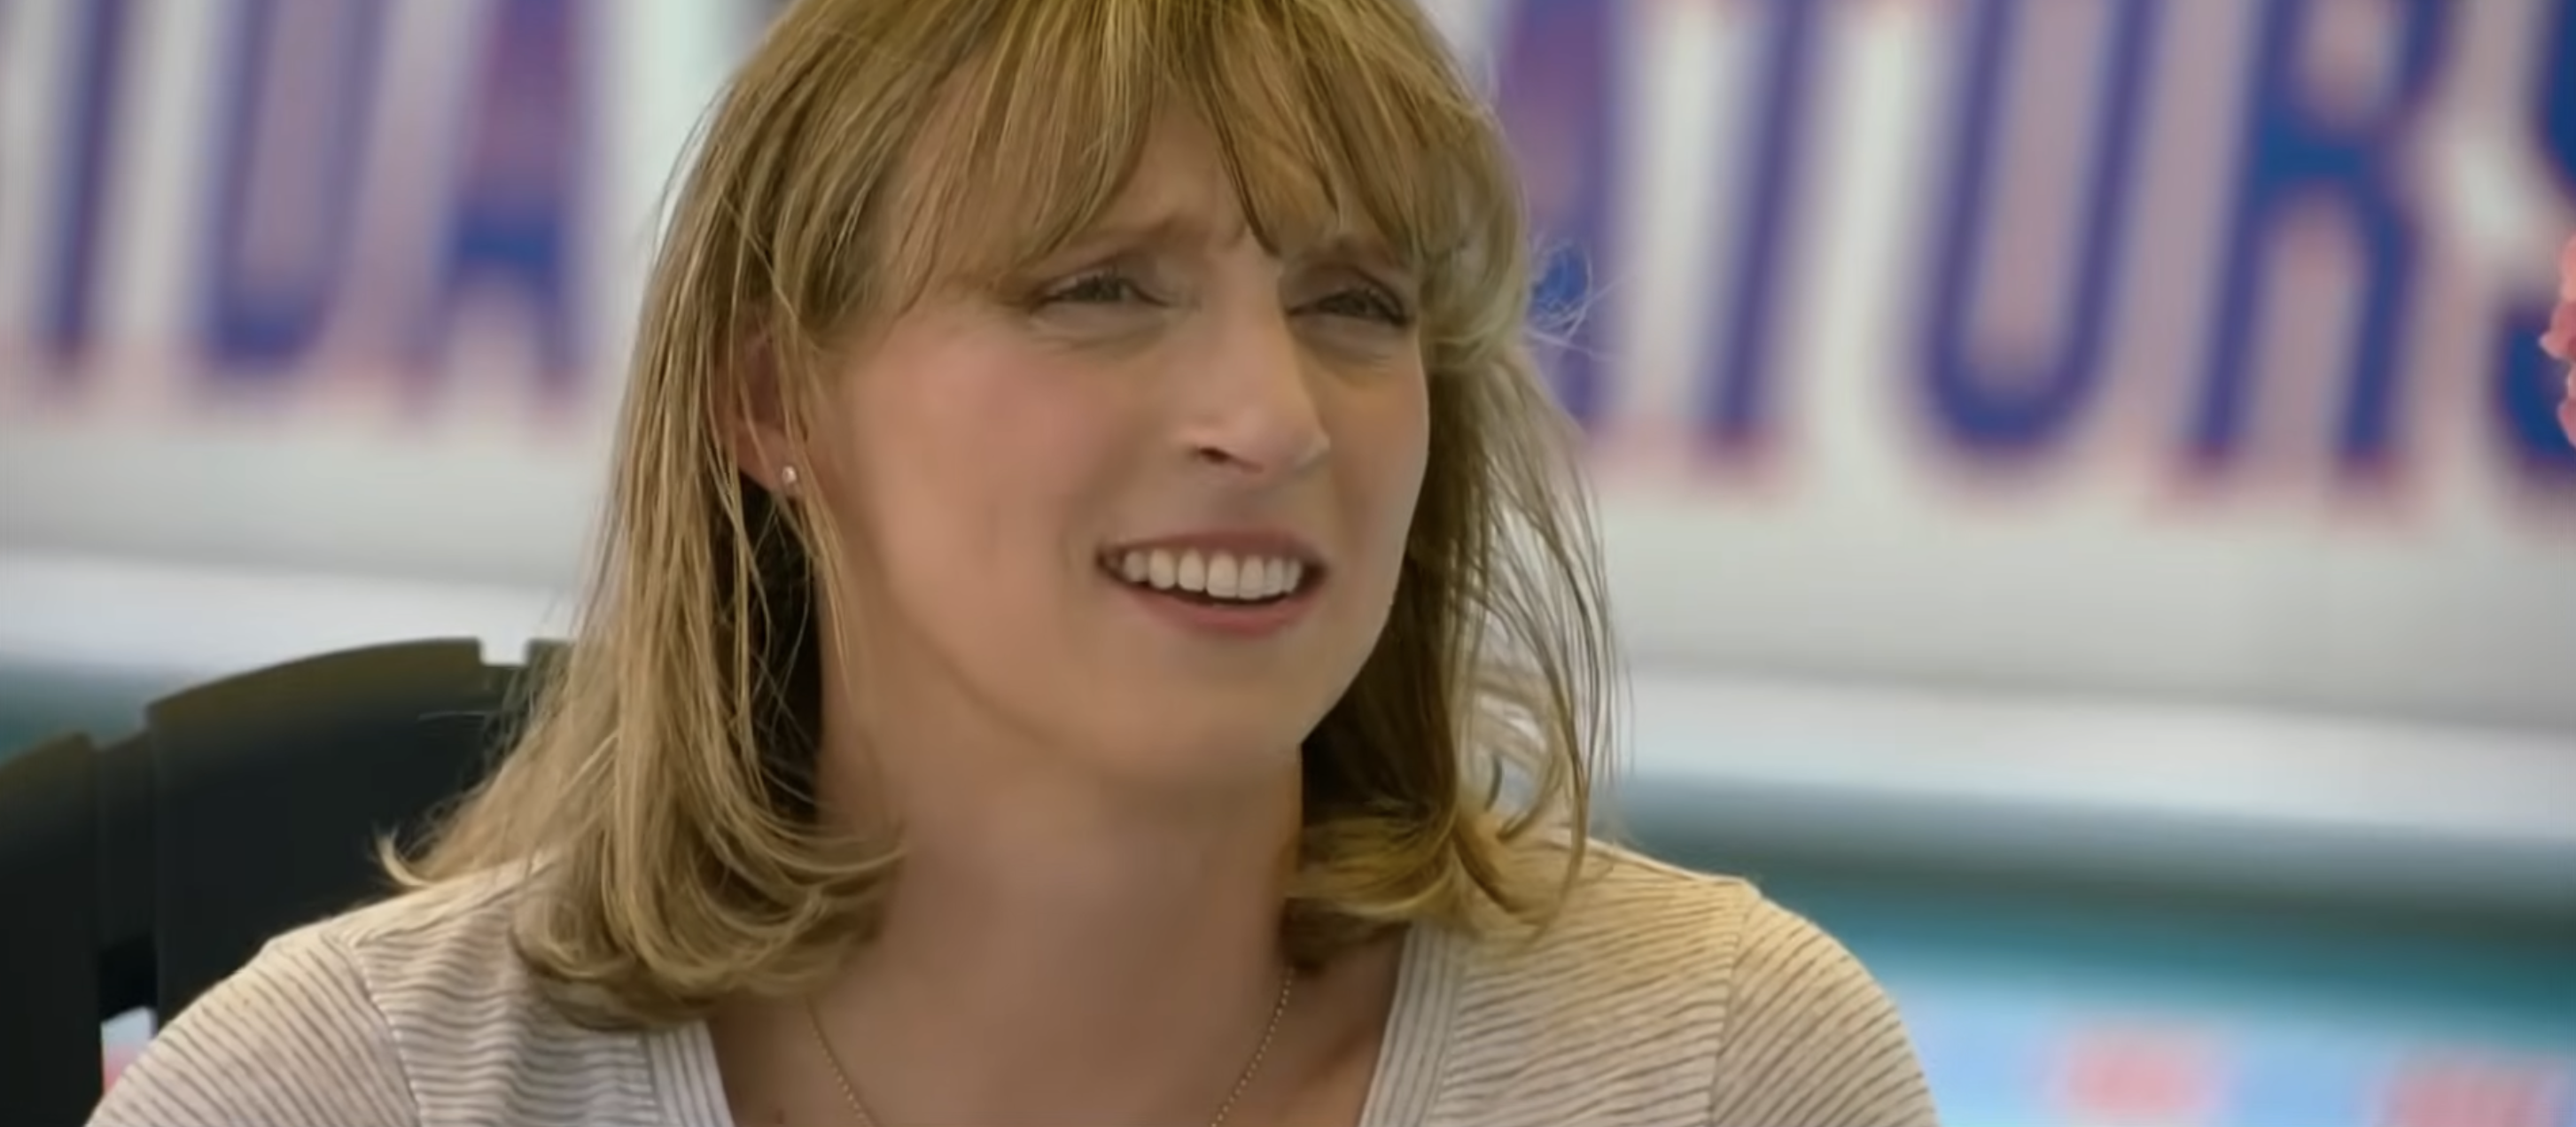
column 1246, row 620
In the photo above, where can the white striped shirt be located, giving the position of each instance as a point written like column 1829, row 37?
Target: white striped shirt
column 1661, row 998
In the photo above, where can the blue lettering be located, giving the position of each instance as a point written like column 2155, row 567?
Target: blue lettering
column 2528, row 384
column 98, row 56
column 512, row 218
column 1737, row 416
column 1987, row 404
column 2293, row 151
column 1555, row 63
column 292, row 148
column 2553, row 116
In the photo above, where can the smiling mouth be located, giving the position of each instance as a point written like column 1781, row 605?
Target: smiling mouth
column 1219, row 579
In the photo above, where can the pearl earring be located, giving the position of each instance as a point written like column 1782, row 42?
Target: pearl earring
column 787, row 478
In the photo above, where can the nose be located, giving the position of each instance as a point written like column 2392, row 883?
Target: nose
column 1254, row 411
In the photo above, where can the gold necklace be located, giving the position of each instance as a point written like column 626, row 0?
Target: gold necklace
column 1242, row 1080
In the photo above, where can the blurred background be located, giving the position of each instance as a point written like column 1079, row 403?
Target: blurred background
column 2085, row 504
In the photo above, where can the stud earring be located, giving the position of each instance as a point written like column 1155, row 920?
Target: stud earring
column 787, row 478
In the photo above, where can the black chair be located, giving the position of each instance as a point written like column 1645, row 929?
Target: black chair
column 50, row 943
column 154, row 867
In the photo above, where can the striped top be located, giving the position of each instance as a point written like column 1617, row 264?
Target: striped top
column 1660, row 998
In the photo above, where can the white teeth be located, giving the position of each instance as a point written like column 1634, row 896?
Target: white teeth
column 1217, row 575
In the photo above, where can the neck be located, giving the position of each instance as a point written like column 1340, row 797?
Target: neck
column 1050, row 945
column 1031, row 895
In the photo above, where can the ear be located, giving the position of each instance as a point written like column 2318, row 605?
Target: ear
column 753, row 412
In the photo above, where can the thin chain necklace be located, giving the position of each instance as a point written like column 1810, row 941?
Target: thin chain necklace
column 1242, row 1080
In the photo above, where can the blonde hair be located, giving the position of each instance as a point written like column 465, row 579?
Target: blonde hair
column 660, row 794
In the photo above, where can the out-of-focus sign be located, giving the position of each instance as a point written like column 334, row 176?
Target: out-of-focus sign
column 2140, row 348
column 331, row 284
column 2143, row 347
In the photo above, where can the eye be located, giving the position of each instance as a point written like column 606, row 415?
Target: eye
column 1364, row 303
column 1100, row 287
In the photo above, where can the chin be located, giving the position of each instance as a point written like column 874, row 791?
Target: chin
column 1214, row 755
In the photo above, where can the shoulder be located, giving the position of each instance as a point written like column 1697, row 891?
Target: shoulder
column 413, row 1010
column 1681, row 997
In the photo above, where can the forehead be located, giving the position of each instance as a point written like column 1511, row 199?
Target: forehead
column 1273, row 119
column 1182, row 193
column 1179, row 186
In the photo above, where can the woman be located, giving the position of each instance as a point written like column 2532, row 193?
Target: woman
column 1099, row 627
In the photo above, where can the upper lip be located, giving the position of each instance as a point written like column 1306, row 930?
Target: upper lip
column 1264, row 542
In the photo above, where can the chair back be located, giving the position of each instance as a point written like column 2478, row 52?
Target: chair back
column 50, row 1069
column 142, row 873
column 270, row 790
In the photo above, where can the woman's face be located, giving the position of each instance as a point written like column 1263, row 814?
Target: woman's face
column 1146, row 506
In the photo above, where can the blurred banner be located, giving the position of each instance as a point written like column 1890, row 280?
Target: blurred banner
column 2075, row 407
column 2180, row 347
column 338, row 285
column 2148, row 348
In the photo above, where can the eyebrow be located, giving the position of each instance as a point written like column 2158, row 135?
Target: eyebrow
column 1164, row 227
column 1184, row 227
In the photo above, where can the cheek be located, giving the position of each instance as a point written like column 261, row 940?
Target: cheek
column 974, row 482
column 1390, row 443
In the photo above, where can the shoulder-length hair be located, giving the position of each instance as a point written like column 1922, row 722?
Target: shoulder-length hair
column 659, row 797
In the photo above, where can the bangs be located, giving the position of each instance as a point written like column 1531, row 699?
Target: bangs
column 1334, row 120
